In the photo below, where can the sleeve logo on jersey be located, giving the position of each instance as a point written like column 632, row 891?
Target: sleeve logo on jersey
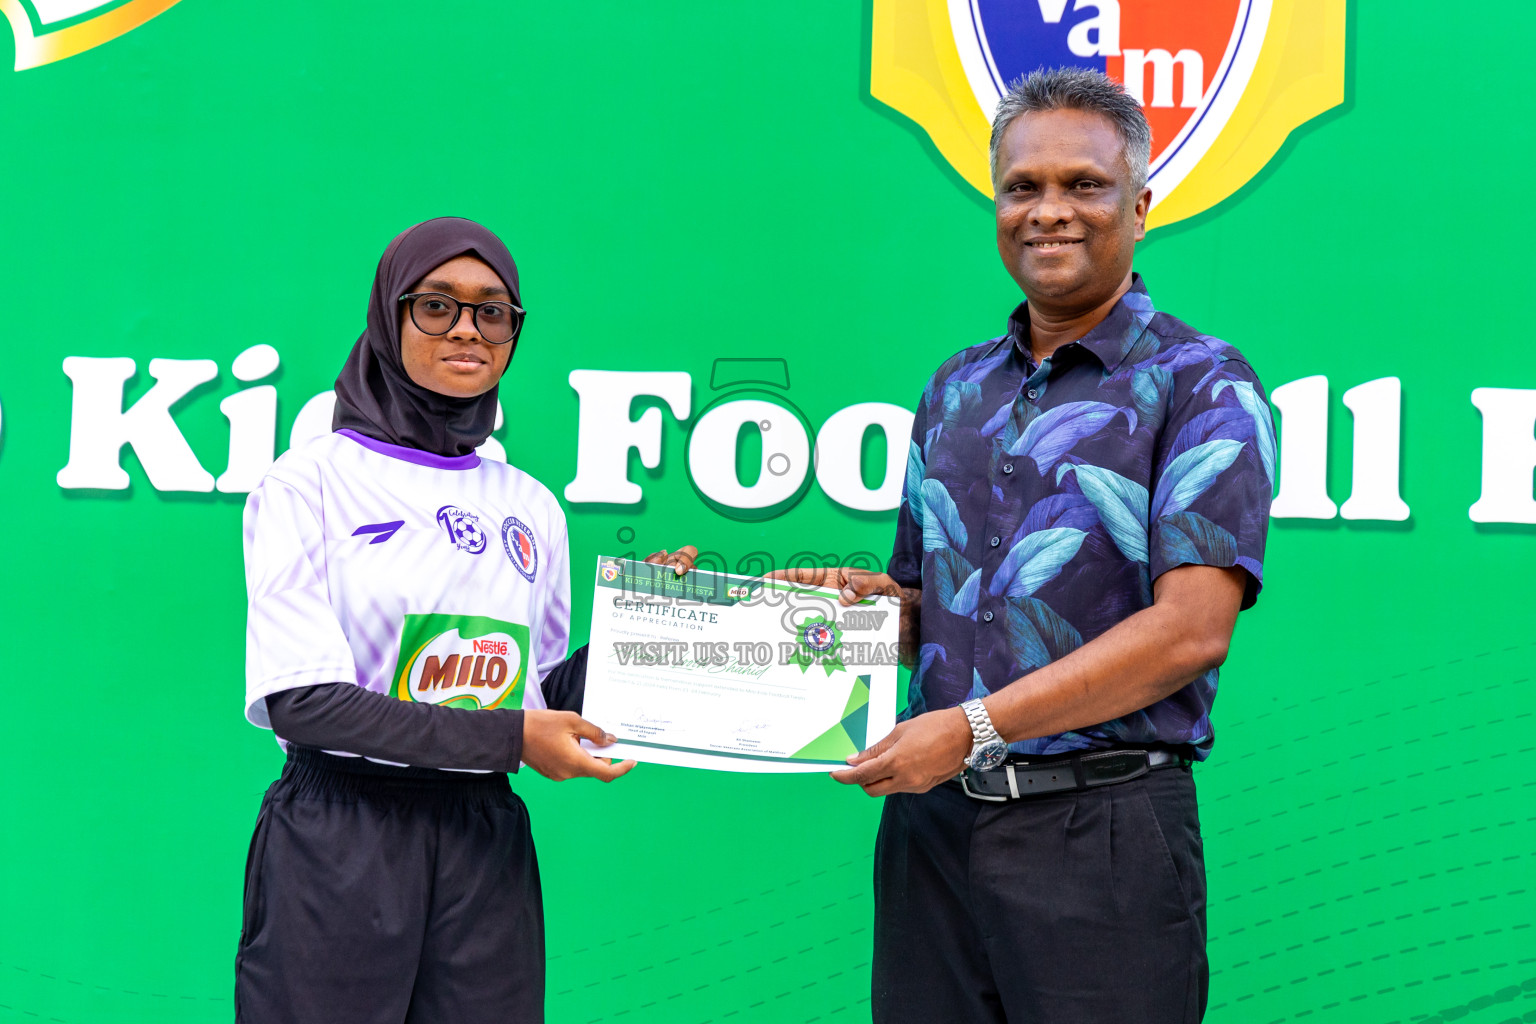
column 381, row 531
column 462, row 661
column 463, row 529
column 521, row 549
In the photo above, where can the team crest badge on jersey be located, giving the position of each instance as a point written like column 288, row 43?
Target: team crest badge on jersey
column 522, row 550
column 463, row 529
column 1222, row 82
column 462, row 661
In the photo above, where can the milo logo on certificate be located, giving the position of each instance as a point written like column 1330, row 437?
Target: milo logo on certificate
column 462, row 661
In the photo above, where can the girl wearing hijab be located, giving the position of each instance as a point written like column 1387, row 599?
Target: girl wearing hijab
column 406, row 641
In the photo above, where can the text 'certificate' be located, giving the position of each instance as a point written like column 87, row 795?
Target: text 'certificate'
column 711, row 670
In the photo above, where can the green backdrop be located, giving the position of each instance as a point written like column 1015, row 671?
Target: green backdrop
column 681, row 182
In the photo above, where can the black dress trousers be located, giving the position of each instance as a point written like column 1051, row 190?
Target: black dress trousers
column 381, row 895
column 1071, row 908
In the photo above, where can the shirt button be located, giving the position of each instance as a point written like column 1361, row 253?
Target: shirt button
column 996, row 541
column 986, row 616
column 1007, row 467
column 1033, row 394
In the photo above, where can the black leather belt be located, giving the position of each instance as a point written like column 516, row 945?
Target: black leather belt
column 1022, row 779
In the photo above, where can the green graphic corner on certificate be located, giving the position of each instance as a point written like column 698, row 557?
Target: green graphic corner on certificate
column 737, row 673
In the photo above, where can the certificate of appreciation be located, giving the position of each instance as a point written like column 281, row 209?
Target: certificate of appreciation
column 712, row 670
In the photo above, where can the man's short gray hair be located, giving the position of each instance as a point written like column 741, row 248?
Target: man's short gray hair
column 1072, row 88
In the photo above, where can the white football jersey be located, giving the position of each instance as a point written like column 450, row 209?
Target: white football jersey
column 432, row 579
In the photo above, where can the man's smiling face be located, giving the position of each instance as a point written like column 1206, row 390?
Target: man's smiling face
column 1068, row 219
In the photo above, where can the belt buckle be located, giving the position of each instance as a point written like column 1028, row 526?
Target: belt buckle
column 1013, row 787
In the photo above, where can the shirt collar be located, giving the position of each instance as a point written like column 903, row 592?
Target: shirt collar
column 1114, row 336
column 469, row 460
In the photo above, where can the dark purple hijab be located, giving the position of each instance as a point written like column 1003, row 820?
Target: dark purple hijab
column 374, row 394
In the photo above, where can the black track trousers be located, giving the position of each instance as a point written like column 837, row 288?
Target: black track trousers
column 382, row 895
column 1070, row 908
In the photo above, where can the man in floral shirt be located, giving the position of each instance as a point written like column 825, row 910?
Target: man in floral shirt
column 1084, row 515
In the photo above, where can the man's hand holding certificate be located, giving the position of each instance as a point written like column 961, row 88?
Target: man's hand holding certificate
column 712, row 670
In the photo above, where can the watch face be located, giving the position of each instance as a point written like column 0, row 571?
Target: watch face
column 988, row 755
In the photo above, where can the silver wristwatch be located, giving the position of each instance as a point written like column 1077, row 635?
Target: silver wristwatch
column 987, row 748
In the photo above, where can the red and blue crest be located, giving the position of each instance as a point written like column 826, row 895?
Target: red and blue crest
column 1222, row 82
column 819, row 638
column 522, row 550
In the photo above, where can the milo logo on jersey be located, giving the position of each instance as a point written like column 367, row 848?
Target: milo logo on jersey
column 1222, row 82
column 462, row 661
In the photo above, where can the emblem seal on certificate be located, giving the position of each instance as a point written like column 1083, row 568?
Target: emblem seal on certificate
column 737, row 673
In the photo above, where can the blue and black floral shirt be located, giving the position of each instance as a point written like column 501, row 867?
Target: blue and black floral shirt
column 1042, row 501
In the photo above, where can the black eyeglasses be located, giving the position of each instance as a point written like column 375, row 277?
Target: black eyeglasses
column 435, row 313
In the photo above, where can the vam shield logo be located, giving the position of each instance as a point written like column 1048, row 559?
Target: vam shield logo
column 1222, row 82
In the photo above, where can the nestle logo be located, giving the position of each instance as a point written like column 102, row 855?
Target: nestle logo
column 490, row 646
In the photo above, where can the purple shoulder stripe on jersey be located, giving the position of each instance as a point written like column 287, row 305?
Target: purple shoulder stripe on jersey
column 415, row 455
